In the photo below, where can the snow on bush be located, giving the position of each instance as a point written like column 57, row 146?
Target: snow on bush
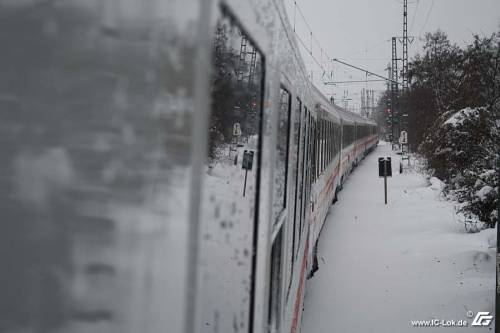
column 461, row 149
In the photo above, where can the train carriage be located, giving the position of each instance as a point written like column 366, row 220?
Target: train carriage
column 348, row 143
column 167, row 166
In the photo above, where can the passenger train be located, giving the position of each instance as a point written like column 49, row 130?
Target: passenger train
column 167, row 166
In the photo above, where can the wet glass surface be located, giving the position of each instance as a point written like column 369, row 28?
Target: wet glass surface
column 299, row 138
column 230, row 177
column 281, row 157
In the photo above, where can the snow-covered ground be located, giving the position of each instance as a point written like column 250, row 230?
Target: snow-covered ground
column 383, row 266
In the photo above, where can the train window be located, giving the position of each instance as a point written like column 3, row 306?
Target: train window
column 298, row 134
column 345, row 135
column 319, row 148
column 326, row 140
column 306, row 168
column 329, row 148
column 318, row 144
column 292, row 222
column 230, row 189
column 334, row 139
column 320, row 128
column 335, row 134
column 311, row 153
column 281, row 156
column 325, row 143
column 316, row 148
column 311, row 149
column 300, row 178
column 321, row 145
column 334, row 142
column 329, row 143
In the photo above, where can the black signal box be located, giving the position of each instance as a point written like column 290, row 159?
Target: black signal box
column 247, row 160
column 384, row 167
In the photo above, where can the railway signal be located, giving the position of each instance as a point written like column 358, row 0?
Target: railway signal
column 385, row 170
column 247, row 164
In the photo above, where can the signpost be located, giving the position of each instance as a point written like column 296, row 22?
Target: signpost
column 247, row 165
column 385, row 170
column 237, row 130
column 234, row 145
column 403, row 142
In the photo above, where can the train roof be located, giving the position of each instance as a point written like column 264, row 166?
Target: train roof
column 337, row 110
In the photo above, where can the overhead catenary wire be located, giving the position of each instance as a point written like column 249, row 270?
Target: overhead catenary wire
column 312, row 39
column 313, row 49
column 367, row 72
column 426, row 19
column 414, row 17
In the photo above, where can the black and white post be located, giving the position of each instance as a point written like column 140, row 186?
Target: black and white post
column 247, row 165
column 385, row 170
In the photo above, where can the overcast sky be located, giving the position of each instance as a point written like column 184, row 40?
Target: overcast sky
column 359, row 32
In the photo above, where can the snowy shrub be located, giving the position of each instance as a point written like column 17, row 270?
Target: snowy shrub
column 461, row 149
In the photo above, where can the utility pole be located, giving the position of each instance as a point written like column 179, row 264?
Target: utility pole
column 389, row 118
column 372, row 109
column 403, row 119
column 346, row 99
column 240, row 72
column 373, row 102
column 394, row 93
column 363, row 100
column 405, row 45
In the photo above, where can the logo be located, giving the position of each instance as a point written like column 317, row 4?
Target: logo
column 482, row 319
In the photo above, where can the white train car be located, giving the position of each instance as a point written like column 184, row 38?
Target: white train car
column 166, row 166
column 359, row 136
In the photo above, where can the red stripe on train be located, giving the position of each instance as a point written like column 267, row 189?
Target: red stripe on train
column 298, row 297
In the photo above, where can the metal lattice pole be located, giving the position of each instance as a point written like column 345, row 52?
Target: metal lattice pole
column 404, row 114
column 394, row 91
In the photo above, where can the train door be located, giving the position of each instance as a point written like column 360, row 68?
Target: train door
column 279, row 211
column 291, row 223
column 299, row 192
column 228, row 216
column 306, row 167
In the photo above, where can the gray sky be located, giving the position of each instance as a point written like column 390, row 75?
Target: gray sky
column 358, row 32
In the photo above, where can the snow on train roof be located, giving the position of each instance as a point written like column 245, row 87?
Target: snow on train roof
column 337, row 110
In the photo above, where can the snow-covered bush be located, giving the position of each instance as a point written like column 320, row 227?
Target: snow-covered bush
column 461, row 149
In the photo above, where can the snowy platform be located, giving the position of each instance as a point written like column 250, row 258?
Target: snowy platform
column 382, row 267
